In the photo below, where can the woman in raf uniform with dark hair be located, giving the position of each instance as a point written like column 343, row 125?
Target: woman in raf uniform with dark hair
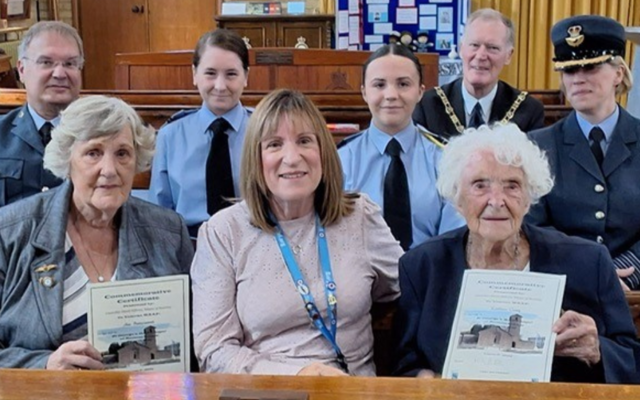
column 197, row 163
column 393, row 161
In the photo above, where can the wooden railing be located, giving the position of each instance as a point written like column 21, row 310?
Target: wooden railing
column 155, row 107
column 105, row 385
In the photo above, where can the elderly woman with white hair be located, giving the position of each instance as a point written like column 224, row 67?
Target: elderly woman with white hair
column 493, row 175
column 86, row 230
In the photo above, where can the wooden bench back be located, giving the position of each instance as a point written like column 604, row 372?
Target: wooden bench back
column 156, row 106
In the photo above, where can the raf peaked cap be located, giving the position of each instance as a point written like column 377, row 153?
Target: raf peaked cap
column 586, row 40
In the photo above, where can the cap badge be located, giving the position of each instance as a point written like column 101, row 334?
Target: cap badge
column 575, row 38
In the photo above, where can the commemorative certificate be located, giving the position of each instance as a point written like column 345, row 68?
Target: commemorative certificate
column 502, row 326
column 142, row 324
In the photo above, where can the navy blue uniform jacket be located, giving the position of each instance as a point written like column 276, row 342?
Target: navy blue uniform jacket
column 430, row 280
column 581, row 189
column 21, row 152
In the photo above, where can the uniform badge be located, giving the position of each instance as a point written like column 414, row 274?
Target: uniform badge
column 46, row 268
column 47, row 281
column 576, row 38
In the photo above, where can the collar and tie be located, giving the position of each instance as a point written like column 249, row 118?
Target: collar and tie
column 219, row 178
column 596, row 136
column 476, row 119
column 397, row 207
column 45, row 133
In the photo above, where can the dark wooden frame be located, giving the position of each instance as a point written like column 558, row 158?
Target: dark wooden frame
column 26, row 14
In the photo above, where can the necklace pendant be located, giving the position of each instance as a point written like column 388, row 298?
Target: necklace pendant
column 100, row 278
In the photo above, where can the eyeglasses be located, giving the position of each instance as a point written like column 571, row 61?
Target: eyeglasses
column 46, row 64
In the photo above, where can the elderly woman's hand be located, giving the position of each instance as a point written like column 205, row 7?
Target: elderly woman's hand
column 426, row 374
column 320, row 369
column 77, row 354
column 577, row 337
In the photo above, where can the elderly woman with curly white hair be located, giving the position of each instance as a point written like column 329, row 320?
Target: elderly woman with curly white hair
column 493, row 175
column 88, row 229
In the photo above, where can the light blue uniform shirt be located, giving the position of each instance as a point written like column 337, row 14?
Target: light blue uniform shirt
column 39, row 121
column 178, row 174
column 365, row 165
column 607, row 126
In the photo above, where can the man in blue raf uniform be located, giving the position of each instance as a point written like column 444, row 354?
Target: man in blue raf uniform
column 595, row 151
column 50, row 60
column 480, row 97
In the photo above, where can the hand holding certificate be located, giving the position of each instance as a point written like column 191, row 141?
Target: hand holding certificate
column 503, row 326
column 577, row 337
column 143, row 324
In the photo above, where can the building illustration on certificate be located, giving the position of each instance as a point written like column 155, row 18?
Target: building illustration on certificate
column 141, row 352
column 507, row 338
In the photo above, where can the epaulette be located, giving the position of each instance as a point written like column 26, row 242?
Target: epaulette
column 178, row 115
column 348, row 139
column 439, row 140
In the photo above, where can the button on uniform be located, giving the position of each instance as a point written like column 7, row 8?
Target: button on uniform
column 598, row 188
column 599, row 214
column 599, row 239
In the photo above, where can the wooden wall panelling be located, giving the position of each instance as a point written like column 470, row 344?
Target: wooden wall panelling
column 281, row 30
column 178, row 24
column 129, row 26
column 107, row 28
column 162, row 77
column 261, row 78
column 316, row 36
column 303, row 69
column 260, row 35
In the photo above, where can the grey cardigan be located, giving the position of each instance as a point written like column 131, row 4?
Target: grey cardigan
column 153, row 241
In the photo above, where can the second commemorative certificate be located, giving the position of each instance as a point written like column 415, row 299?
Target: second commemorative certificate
column 502, row 328
column 142, row 324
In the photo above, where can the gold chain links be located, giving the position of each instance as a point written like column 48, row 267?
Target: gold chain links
column 448, row 108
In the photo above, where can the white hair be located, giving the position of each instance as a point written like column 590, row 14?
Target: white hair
column 491, row 15
column 92, row 117
column 509, row 145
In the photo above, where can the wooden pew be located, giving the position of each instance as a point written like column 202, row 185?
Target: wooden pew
column 307, row 70
column 156, row 106
column 23, row 384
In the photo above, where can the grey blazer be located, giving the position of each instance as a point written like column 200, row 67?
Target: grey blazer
column 153, row 241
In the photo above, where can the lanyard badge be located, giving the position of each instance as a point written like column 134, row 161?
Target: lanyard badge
column 305, row 292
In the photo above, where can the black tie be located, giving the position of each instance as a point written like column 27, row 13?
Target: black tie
column 397, row 208
column 476, row 117
column 597, row 136
column 219, row 178
column 45, row 133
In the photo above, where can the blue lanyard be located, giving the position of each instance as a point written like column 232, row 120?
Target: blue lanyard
column 305, row 293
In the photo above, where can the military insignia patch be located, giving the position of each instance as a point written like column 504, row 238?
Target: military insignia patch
column 576, row 38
